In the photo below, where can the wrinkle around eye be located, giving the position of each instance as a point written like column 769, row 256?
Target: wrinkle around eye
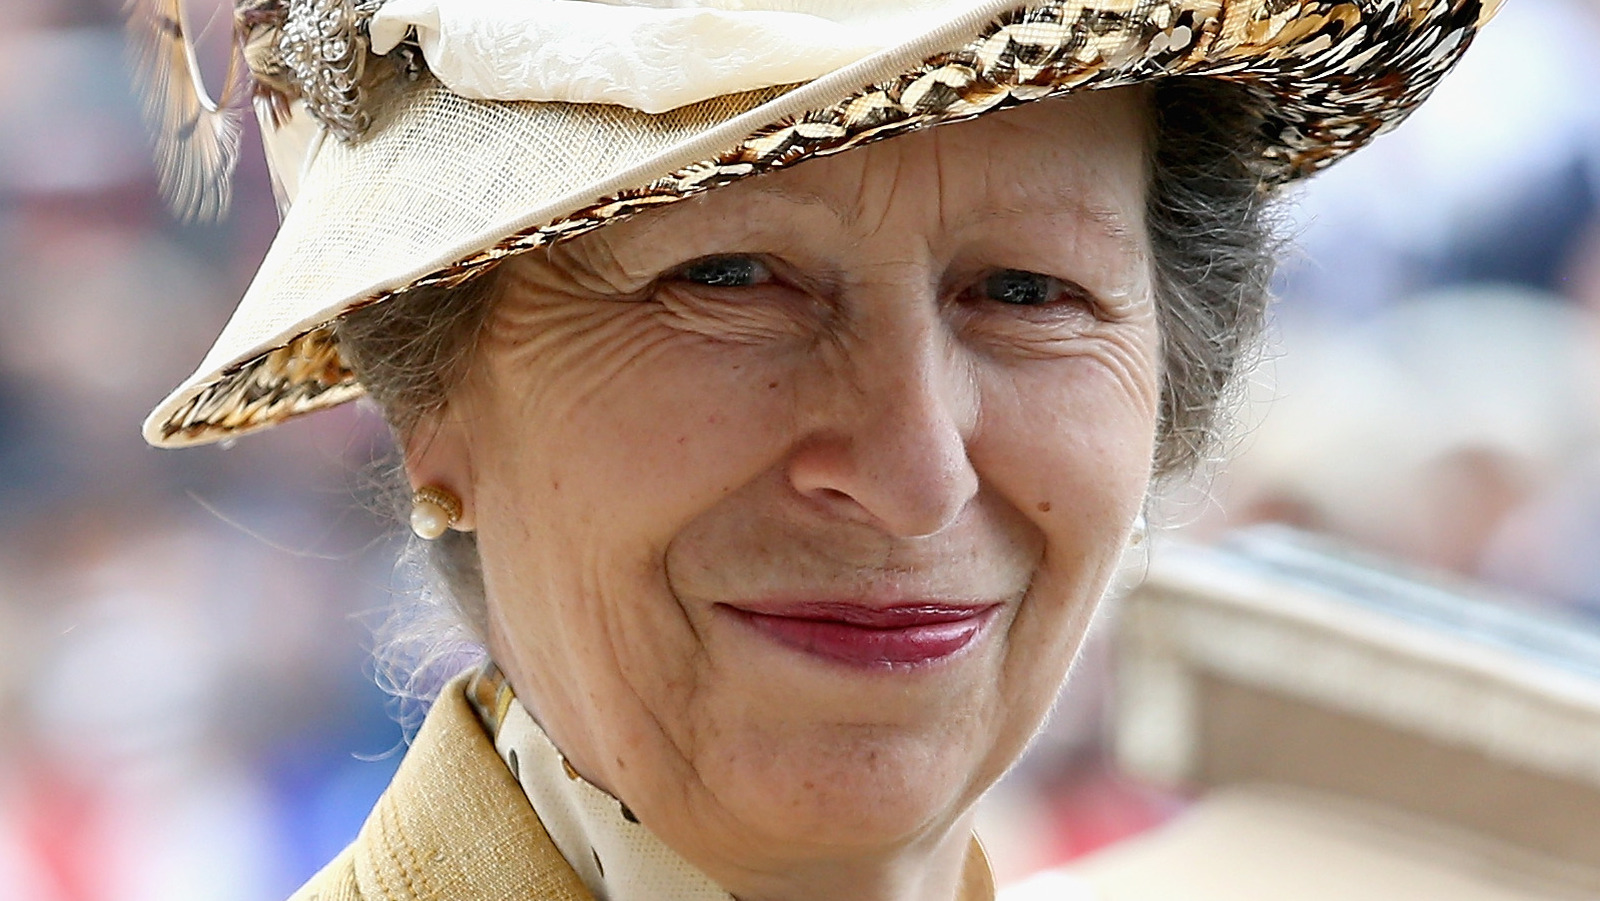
column 1129, row 359
column 592, row 264
column 1067, row 330
column 759, row 315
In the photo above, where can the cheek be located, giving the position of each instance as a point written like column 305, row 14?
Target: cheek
column 626, row 423
column 1069, row 440
column 600, row 435
column 1072, row 455
column 1084, row 400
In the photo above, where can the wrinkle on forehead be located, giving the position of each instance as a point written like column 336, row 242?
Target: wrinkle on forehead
column 1056, row 201
column 1050, row 199
column 1076, row 179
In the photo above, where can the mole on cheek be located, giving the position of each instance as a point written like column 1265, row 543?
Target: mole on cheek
column 1044, row 506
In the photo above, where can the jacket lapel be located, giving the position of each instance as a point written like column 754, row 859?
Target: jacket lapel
column 455, row 826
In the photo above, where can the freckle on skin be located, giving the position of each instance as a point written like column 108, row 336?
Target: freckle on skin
column 1044, row 506
column 772, row 384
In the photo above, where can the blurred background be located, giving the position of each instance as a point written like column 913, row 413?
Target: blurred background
column 186, row 701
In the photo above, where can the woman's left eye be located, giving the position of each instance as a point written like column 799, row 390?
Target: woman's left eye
column 1021, row 288
column 725, row 272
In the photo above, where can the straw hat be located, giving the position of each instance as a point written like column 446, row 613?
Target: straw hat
column 418, row 142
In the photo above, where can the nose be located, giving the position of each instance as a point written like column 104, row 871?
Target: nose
column 887, row 437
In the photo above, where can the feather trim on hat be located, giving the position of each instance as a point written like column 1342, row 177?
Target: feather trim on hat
column 196, row 137
column 315, row 52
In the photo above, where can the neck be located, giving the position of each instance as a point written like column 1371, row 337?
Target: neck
column 951, row 868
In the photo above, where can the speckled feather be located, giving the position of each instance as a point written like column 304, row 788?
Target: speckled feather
column 195, row 137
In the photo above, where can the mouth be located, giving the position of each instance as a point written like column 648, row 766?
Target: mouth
column 895, row 637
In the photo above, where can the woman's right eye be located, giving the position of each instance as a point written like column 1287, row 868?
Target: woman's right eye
column 725, row 272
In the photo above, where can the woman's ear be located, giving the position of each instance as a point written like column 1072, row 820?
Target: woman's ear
column 438, row 455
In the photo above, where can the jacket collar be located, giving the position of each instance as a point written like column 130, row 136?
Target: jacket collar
column 454, row 824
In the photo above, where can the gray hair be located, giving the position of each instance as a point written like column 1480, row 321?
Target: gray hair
column 1213, row 245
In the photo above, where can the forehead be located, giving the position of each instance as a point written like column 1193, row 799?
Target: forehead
column 1083, row 158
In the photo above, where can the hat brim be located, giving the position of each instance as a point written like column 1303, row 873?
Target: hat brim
column 444, row 187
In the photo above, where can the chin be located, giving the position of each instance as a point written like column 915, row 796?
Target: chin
column 851, row 786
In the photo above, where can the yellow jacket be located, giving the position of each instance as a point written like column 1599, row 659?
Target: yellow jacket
column 452, row 826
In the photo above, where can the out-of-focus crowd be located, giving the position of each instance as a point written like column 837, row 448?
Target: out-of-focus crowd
column 185, row 702
column 1435, row 392
column 184, row 711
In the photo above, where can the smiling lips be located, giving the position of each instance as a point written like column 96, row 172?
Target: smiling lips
column 872, row 637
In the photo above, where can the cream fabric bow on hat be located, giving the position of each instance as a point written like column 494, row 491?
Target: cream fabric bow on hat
column 653, row 56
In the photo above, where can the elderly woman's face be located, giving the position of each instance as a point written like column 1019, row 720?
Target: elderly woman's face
column 794, row 500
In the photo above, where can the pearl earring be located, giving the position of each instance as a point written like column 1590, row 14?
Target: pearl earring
column 433, row 510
